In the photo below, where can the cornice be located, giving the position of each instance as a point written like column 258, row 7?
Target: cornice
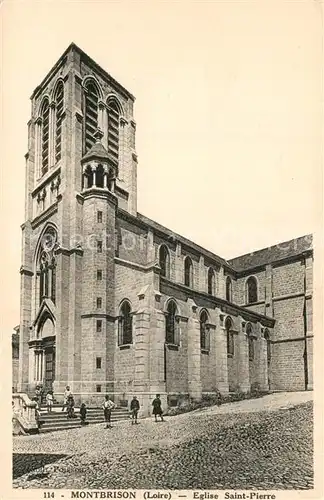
column 44, row 181
column 223, row 305
column 45, row 215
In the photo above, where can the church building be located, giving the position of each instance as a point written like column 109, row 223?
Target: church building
column 114, row 303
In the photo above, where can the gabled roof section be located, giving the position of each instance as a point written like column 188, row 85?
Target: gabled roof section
column 274, row 253
column 91, row 62
column 97, row 151
column 184, row 241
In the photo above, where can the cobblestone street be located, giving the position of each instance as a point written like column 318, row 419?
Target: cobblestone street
column 265, row 443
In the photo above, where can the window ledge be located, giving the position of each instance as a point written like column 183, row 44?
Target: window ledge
column 172, row 347
column 123, row 347
column 230, row 355
column 204, row 351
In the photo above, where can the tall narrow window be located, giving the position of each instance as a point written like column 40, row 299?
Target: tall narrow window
column 230, row 337
column 99, row 246
column 250, row 341
column 59, row 101
column 171, row 330
column 204, row 331
column 99, row 216
column 98, row 363
column 46, row 265
column 267, row 338
column 228, row 289
column 164, row 261
column 99, row 275
column 251, row 290
column 211, row 281
column 125, row 325
column 45, row 137
column 99, row 302
column 188, row 272
column 90, row 115
column 113, row 129
column 99, row 325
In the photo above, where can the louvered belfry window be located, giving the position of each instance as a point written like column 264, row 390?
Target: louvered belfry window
column 91, row 115
column 45, row 137
column 59, row 99
column 113, row 130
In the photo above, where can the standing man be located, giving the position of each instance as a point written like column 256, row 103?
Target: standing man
column 157, row 408
column 67, row 393
column 135, row 406
column 108, row 406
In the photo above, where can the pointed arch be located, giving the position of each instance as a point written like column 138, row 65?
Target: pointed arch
column 59, row 110
column 188, row 272
column 171, row 326
column 229, row 336
column 45, row 264
column 164, row 261
column 211, row 281
column 114, row 113
column 204, row 330
column 45, row 134
column 125, row 323
column 229, row 289
column 92, row 93
column 251, row 290
column 249, row 333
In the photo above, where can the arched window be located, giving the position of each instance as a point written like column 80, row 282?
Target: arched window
column 171, row 327
column 228, row 289
column 113, row 129
column 125, row 325
column 229, row 336
column 204, row 331
column 47, row 266
column 251, row 290
column 267, row 338
column 100, row 174
column 188, row 272
column 59, row 104
column 164, row 261
column 90, row 115
column 251, row 341
column 211, row 281
column 45, row 137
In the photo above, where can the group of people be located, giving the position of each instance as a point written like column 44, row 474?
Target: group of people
column 108, row 406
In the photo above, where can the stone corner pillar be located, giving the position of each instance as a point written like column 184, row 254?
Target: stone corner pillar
column 262, row 362
column 221, row 358
column 194, row 353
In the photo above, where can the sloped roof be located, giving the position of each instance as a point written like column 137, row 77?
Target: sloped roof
column 274, row 253
column 97, row 151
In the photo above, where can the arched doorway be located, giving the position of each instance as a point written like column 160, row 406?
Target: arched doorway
column 46, row 333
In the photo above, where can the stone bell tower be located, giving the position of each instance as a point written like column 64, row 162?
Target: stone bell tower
column 81, row 165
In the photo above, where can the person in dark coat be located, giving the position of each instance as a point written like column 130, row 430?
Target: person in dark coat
column 70, row 407
column 83, row 414
column 157, row 408
column 134, row 406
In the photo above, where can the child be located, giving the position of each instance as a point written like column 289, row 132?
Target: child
column 70, row 407
column 157, row 409
column 135, row 406
column 49, row 401
column 83, row 414
column 107, row 407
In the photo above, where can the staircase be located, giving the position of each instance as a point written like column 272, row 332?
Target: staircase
column 57, row 420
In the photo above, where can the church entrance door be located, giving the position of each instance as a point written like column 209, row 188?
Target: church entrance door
column 49, row 368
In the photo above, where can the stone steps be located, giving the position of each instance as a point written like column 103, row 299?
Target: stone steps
column 57, row 420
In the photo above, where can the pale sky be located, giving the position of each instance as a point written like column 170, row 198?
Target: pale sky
column 228, row 111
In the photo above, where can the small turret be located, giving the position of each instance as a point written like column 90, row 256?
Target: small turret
column 98, row 169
